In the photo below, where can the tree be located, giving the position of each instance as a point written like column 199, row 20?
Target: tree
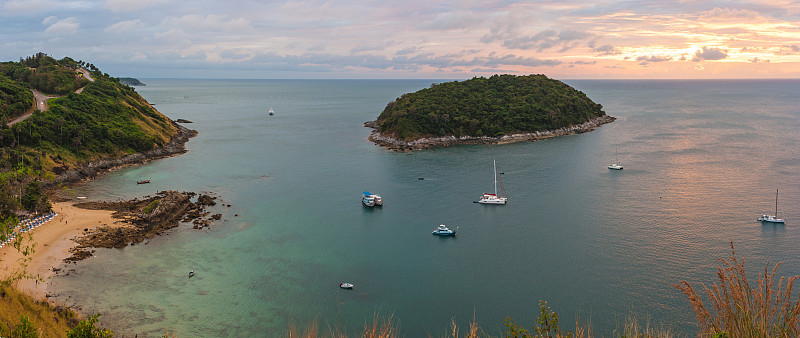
column 87, row 328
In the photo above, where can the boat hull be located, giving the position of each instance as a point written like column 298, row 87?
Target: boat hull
column 771, row 219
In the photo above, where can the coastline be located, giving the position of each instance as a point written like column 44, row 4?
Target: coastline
column 175, row 146
column 425, row 143
column 56, row 239
column 53, row 240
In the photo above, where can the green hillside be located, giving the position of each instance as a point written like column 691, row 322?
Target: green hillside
column 106, row 119
column 494, row 106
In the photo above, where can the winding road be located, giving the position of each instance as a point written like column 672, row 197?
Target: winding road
column 41, row 99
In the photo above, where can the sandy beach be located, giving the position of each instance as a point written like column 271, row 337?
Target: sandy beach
column 53, row 241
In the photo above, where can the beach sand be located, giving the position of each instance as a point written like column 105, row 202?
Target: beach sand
column 53, row 241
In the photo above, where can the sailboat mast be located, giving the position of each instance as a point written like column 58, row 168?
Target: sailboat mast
column 494, row 162
column 776, row 203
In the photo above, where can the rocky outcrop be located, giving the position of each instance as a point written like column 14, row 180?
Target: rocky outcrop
column 424, row 143
column 142, row 219
column 176, row 146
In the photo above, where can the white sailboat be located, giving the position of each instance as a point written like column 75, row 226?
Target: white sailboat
column 488, row 198
column 616, row 166
column 271, row 112
column 773, row 219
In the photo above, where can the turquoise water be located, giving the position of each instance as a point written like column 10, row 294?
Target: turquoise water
column 702, row 161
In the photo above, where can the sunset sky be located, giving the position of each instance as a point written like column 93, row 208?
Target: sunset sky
column 411, row 38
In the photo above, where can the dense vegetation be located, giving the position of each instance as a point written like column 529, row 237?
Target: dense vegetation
column 107, row 119
column 130, row 81
column 15, row 99
column 494, row 106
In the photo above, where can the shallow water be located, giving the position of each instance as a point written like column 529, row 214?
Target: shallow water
column 702, row 161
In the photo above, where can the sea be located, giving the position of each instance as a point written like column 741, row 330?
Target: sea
column 703, row 159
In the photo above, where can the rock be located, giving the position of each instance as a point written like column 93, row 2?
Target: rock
column 216, row 217
column 206, row 200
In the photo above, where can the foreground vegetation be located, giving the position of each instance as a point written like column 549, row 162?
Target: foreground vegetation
column 494, row 106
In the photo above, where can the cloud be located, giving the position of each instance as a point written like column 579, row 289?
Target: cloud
column 645, row 59
column 728, row 14
column 209, row 23
column 710, row 54
column 125, row 26
column 505, row 26
column 372, row 47
column 606, row 50
column 564, row 40
column 131, row 5
column 24, row 6
column 789, row 50
column 453, row 20
column 68, row 26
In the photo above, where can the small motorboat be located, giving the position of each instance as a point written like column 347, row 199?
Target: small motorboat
column 143, row 182
column 443, row 230
column 615, row 166
column 346, row 285
column 191, row 273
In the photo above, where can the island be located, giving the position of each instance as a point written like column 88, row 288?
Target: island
column 131, row 81
column 498, row 109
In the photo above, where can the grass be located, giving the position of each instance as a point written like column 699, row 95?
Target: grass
column 737, row 309
column 48, row 320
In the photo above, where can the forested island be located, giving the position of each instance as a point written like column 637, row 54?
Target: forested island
column 498, row 109
column 131, row 81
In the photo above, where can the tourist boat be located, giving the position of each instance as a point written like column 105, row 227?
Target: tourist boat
column 773, row 219
column 271, row 112
column 488, row 198
column 443, row 230
column 369, row 199
column 346, row 285
column 143, row 182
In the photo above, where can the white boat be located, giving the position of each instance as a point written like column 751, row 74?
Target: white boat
column 346, row 285
column 443, row 230
column 616, row 166
column 271, row 112
column 770, row 218
column 369, row 199
column 488, row 198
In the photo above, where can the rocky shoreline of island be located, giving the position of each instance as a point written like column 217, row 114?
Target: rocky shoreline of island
column 424, row 143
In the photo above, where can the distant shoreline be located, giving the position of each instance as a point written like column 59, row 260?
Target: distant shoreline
column 425, row 143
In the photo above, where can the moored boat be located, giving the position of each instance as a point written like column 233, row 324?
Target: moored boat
column 770, row 218
column 443, row 230
column 488, row 198
column 369, row 199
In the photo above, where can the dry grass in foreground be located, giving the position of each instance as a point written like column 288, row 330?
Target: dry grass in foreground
column 739, row 310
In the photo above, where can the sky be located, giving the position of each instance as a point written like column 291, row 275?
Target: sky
column 426, row 39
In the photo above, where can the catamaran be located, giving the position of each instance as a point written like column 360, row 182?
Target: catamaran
column 773, row 219
column 616, row 166
column 488, row 198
